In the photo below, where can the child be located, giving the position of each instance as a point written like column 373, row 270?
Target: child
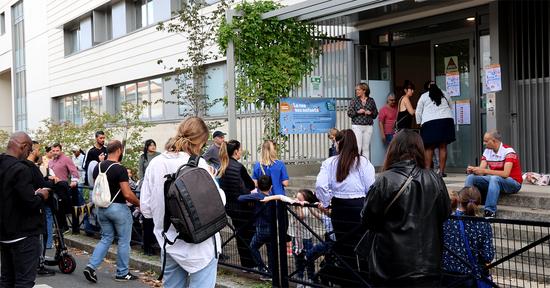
column 479, row 244
column 263, row 214
column 332, row 137
column 301, row 237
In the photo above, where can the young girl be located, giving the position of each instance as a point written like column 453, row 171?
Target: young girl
column 332, row 137
column 479, row 236
column 301, row 237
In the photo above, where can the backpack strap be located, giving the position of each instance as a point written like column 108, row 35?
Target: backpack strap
column 193, row 160
column 166, row 222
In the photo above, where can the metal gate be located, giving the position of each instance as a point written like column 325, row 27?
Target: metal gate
column 530, row 59
column 335, row 66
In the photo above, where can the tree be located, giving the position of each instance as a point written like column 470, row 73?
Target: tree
column 4, row 137
column 196, row 25
column 272, row 56
column 126, row 124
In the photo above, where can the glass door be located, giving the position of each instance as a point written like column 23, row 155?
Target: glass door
column 454, row 73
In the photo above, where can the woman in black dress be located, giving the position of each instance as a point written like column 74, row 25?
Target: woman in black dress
column 405, row 109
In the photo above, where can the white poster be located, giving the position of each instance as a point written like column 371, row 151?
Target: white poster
column 452, row 83
column 493, row 78
column 462, row 112
column 316, row 86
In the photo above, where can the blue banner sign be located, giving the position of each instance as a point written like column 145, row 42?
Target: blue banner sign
column 307, row 115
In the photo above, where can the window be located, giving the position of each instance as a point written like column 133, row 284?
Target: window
column 214, row 89
column 144, row 13
column 20, row 80
column 73, row 40
column 149, row 92
column 102, row 25
column 71, row 107
column 2, row 23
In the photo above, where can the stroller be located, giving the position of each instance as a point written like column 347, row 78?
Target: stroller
column 58, row 203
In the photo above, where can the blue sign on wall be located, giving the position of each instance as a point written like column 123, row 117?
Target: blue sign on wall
column 307, row 115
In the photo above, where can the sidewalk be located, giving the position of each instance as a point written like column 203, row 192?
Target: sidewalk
column 227, row 277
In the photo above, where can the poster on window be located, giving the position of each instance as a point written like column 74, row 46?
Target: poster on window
column 493, row 78
column 452, row 84
column 307, row 115
column 462, row 112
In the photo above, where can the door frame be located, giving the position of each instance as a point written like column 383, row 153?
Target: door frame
column 474, row 87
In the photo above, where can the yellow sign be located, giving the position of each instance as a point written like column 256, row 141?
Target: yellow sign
column 451, row 64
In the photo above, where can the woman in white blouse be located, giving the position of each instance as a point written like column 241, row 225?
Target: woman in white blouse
column 433, row 112
column 343, row 183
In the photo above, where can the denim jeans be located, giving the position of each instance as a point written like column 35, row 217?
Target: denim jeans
column 114, row 219
column 19, row 262
column 49, row 227
column 493, row 185
column 176, row 277
column 257, row 241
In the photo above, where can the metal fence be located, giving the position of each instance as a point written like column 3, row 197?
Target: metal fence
column 304, row 251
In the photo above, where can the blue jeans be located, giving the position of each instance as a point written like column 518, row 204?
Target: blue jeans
column 49, row 227
column 116, row 218
column 493, row 185
column 389, row 137
column 257, row 241
column 176, row 277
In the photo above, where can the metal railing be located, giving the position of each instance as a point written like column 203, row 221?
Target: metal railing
column 520, row 249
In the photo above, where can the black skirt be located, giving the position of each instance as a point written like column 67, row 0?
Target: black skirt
column 439, row 131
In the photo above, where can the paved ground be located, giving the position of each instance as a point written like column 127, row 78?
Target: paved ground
column 105, row 276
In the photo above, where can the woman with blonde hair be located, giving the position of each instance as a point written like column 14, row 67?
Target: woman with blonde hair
column 271, row 166
column 187, row 264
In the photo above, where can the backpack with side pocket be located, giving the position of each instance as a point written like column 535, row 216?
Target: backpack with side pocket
column 193, row 205
column 102, row 192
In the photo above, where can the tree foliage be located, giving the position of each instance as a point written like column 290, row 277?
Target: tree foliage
column 4, row 136
column 125, row 125
column 196, row 26
column 272, row 56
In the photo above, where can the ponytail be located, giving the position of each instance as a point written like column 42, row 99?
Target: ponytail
column 469, row 199
column 227, row 150
column 224, row 159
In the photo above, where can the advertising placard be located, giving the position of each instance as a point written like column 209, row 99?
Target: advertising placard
column 307, row 115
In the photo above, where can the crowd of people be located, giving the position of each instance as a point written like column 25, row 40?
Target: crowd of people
column 401, row 212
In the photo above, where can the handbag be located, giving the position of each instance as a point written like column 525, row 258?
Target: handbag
column 364, row 246
column 482, row 281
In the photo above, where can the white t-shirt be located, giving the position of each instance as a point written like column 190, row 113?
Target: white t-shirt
column 426, row 110
column 191, row 257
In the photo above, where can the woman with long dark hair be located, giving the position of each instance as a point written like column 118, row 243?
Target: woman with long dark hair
column 434, row 113
column 343, row 183
column 405, row 110
column 149, row 152
column 405, row 210
column 235, row 181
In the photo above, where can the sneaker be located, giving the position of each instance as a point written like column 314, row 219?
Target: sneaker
column 90, row 274
column 43, row 271
column 443, row 175
column 126, row 277
column 490, row 214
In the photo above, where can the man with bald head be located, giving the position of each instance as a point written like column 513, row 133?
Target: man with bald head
column 499, row 171
column 21, row 215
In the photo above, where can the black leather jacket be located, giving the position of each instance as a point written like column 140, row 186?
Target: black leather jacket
column 408, row 239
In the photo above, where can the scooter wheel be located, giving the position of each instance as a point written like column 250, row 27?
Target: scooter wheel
column 67, row 264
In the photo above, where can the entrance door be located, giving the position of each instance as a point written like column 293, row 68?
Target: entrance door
column 454, row 73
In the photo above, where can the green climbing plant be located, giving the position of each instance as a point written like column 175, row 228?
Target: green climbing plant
column 272, row 56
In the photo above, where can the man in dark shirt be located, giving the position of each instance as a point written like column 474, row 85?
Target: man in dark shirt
column 98, row 152
column 115, row 218
column 212, row 154
column 21, row 215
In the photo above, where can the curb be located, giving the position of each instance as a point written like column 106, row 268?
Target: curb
column 226, row 278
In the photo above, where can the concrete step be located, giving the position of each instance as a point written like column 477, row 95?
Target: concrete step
column 522, row 213
column 528, row 199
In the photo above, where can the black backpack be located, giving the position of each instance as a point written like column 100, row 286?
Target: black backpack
column 193, row 205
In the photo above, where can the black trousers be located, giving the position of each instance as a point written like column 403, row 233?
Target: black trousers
column 148, row 237
column 346, row 220
column 19, row 263
column 245, row 230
